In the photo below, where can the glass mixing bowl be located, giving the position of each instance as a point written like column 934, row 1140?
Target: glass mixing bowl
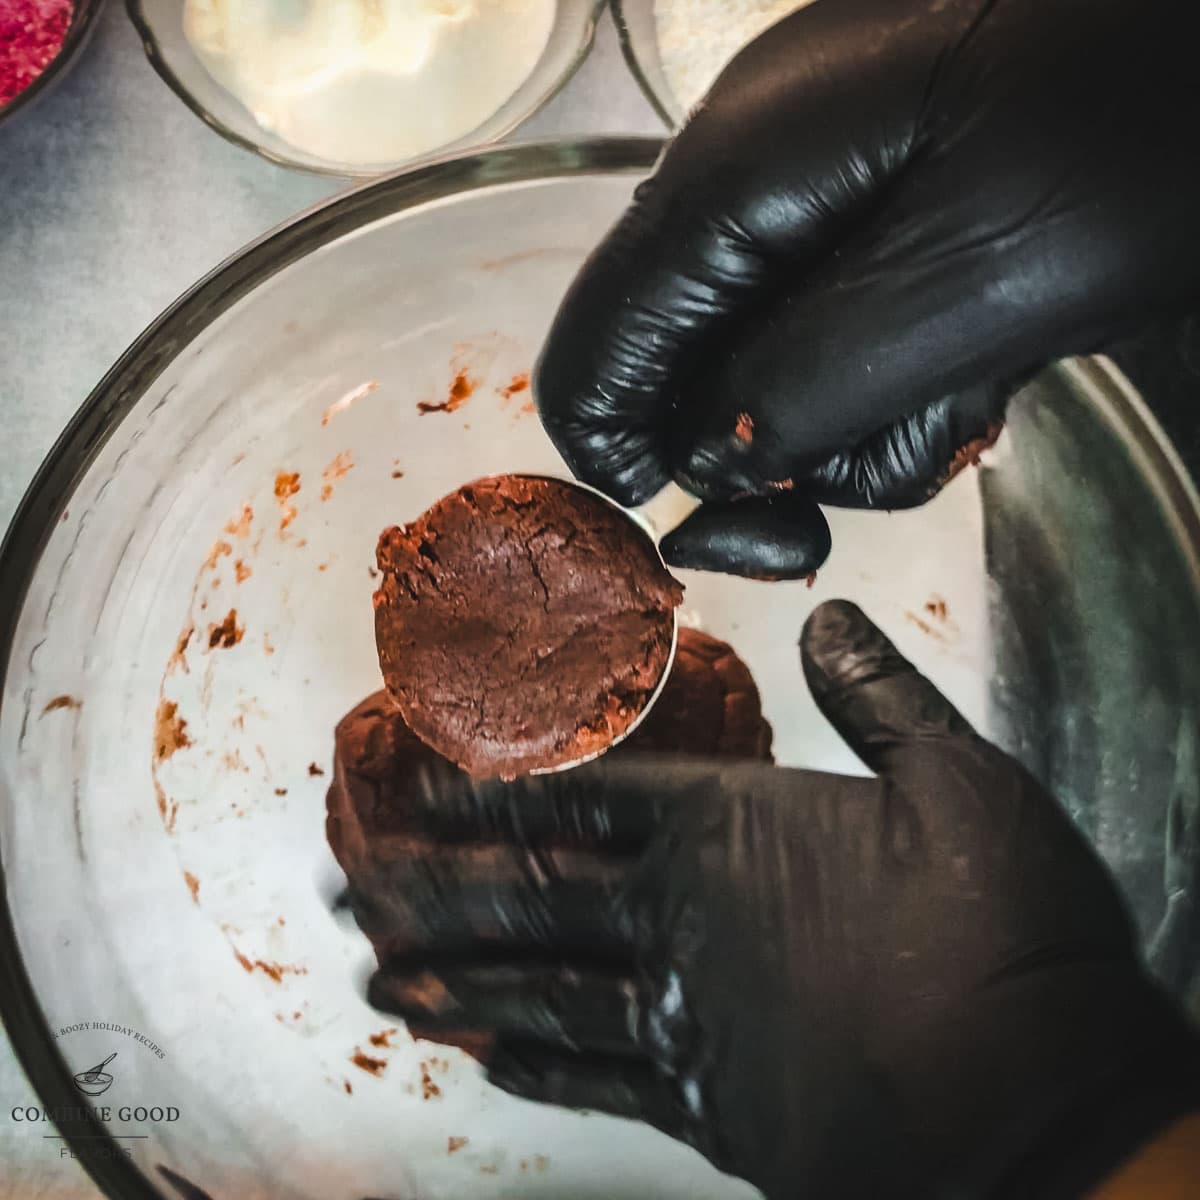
column 185, row 612
column 160, row 25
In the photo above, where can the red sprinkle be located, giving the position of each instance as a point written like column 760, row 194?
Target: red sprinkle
column 31, row 36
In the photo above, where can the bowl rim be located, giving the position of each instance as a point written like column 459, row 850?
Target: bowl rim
column 124, row 384
column 83, row 20
column 152, row 47
column 633, row 61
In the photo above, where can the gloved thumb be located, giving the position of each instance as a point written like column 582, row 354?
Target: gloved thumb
column 883, row 707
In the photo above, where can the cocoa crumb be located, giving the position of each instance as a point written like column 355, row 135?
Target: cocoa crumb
column 364, row 1062
column 349, row 1089
column 530, row 407
column 381, row 1040
column 744, row 429
column 518, row 383
column 455, row 1144
column 313, row 769
column 281, row 791
column 170, row 731
column 219, row 550
column 60, row 702
column 936, row 607
column 429, row 1089
column 193, row 885
column 397, row 474
column 227, row 633
column 287, row 484
column 241, row 572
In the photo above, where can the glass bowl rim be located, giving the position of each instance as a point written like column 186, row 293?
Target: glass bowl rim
column 670, row 119
column 125, row 383
column 152, row 47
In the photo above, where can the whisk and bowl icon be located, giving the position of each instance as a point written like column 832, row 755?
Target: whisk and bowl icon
column 95, row 1081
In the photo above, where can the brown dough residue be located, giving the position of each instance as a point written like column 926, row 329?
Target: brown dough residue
column 179, row 654
column 529, row 407
column 969, row 455
column 273, row 971
column 281, row 791
column 937, row 608
column 60, row 702
column 429, row 1089
column 343, row 463
column 193, row 885
column 364, row 1062
column 287, row 484
column 397, row 474
column 268, row 649
column 516, row 385
column 349, row 1089
column 347, row 400
column 170, row 731
column 240, row 528
column 313, row 769
column 241, row 572
column 219, row 550
column 455, row 1144
column 461, row 387
column 743, row 430
column 226, row 634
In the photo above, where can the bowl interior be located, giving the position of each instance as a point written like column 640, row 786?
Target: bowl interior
column 200, row 618
column 160, row 25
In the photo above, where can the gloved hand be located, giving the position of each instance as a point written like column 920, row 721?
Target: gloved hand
column 885, row 216
column 921, row 984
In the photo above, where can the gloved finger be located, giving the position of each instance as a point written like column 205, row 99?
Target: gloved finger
column 563, row 808
column 784, row 536
column 567, row 1007
column 620, row 1087
column 724, row 221
column 438, row 906
column 873, row 696
column 908, row 462
column 850, row 349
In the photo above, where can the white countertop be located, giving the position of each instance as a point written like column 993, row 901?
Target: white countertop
column 114, row 199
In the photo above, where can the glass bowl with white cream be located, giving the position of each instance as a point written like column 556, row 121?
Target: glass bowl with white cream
column 360, row 87
column 677, row 48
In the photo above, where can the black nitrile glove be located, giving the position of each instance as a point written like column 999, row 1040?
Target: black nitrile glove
column 885, row 216
column 922, row 984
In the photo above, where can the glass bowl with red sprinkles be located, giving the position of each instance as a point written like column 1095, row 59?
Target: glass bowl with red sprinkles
column 38, row 38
